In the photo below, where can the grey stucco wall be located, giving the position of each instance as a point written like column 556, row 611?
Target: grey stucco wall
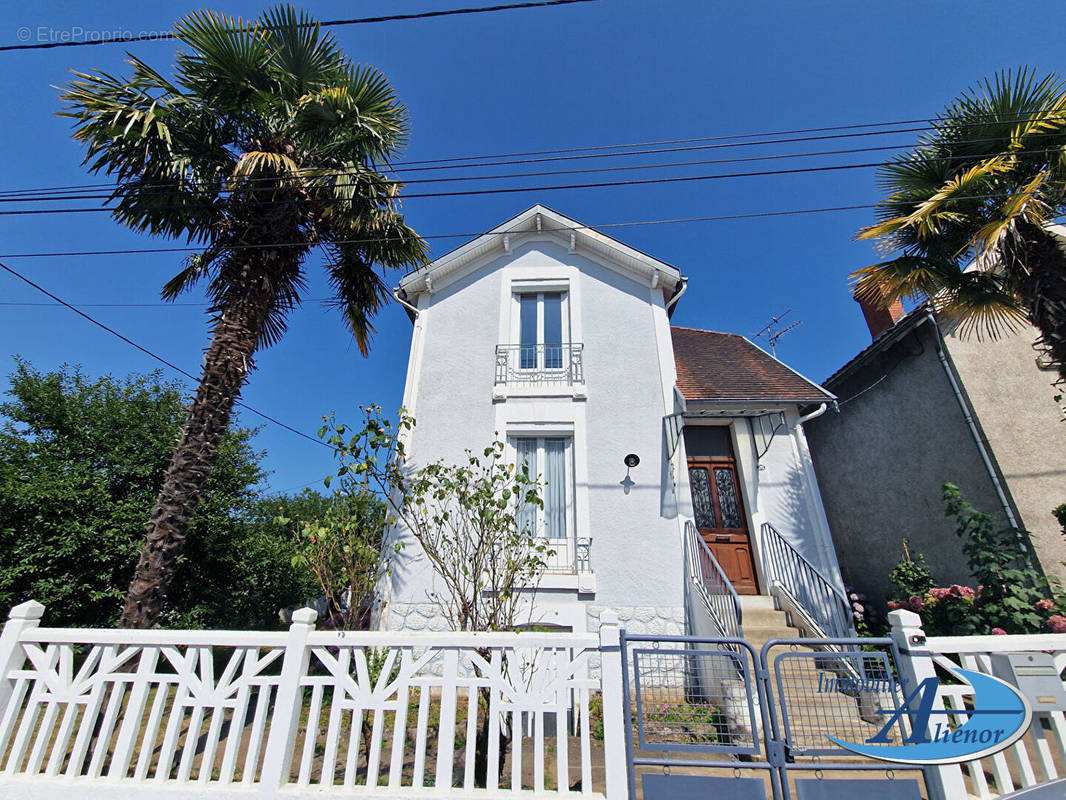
column 1014, row 403
column 881, row 463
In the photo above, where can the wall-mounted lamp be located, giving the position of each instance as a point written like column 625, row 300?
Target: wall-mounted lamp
column 630, row 461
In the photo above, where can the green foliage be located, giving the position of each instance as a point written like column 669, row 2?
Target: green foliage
column 468, row 517
column 911, row 576
column 80, row 463
column 264, row 132
column 981, row 186
column 1012, row 596
column 1009, row 585
column 1059, row 512
column 340, row 543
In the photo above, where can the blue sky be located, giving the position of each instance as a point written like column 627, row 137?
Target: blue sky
column 609, row 72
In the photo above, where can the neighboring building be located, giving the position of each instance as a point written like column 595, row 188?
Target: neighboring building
column 556, row 339
column 924, row 405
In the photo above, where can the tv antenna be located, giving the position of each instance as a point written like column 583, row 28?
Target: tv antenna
column 773, row 332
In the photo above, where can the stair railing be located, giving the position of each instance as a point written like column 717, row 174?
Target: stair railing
column 709, row 580
column 798, row 583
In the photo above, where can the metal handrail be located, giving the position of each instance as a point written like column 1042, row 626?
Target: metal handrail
column 533, row 364
column 712, row 584
column 818, row 597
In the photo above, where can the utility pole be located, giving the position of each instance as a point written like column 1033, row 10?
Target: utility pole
column 773, row 333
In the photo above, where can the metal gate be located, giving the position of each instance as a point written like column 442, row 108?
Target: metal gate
column 714, row 718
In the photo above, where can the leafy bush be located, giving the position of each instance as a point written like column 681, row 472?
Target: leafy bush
column 1012, row 595
column 80, row 462
column 911, row 576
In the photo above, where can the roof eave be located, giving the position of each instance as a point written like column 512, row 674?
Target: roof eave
column 531, row 222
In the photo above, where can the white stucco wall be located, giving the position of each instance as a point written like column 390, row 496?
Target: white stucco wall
column 629, row 378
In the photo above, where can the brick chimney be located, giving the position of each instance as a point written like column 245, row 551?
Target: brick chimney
column 880, row 319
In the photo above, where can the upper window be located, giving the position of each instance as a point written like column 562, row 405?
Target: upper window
column 542, row 330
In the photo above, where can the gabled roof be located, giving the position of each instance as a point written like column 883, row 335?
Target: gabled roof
column 541, row 222
column 885, row 339
column 725, row 367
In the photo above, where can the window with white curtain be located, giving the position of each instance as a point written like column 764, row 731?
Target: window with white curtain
column 549, row 461
column 543, row 329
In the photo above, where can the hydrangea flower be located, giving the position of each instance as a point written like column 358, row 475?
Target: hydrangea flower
column 1057, row 623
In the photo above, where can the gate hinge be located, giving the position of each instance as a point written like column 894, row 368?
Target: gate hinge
column 778, row 753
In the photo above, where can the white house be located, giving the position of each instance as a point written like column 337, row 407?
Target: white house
column 556, row 339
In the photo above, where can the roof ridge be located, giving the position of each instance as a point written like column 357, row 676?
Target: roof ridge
column 704, row 330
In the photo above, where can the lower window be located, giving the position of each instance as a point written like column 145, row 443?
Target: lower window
column 549, row 460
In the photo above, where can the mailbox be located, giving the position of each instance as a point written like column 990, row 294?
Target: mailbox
column 1036, row 677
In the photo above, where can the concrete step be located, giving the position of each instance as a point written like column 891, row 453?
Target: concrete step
column 753, row 601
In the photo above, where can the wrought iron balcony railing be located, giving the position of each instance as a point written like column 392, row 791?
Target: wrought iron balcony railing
column 535, row 364
column 568, row 556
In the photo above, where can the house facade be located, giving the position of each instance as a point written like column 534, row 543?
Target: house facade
column 923, row 405
column 556, row 340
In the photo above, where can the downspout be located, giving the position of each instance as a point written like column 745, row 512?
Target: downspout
column 404, row 303
column 676, row 297
column 799, row 439
column 961, row 399
column 813, row 415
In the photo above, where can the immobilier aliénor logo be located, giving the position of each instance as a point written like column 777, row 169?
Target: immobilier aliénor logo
column 998, row 716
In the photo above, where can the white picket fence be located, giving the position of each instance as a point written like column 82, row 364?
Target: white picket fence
column 116, row 713
column 1038, row 757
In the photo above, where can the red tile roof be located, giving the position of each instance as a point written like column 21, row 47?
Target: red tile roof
column 725, row 366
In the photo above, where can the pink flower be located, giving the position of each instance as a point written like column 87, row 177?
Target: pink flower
column 938, row 594
column 1057, row 623
column 961, row 591
column 916, row 603
column 999, row 632
column 893, row 605
column 1045, row 605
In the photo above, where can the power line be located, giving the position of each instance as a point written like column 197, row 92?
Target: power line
column 522, row 189
column 27, row 198
column 149, row 353
column 397, row 167
column 475, row 234
column 167, row 35
column 166, row 187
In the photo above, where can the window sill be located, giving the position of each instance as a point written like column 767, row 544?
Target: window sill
column 580, row 582
column 503, row 392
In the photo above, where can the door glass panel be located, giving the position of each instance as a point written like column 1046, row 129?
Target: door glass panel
column 528, row 331
column 725, row 483
column 553, row 330
column 702, row 504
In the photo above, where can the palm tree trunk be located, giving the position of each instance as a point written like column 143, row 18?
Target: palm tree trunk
column 1041, row 283
column 226, row 367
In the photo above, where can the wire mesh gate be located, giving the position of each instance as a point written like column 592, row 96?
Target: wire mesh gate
column 714, row 718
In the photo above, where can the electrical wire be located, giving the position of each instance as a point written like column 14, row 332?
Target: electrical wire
column 398, row 167
column 155, row 356
column 512, row 189
column 25, row 198
column 168, row 35
column 472, row 235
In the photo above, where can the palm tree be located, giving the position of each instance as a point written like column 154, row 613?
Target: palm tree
column 981, row 189
column 266, row 142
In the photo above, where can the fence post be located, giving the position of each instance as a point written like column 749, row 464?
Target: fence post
column 21, row 618
column 613, row 698
column 277, row 760
column 944, row 781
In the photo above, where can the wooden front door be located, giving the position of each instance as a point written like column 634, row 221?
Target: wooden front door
column 719, row 516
